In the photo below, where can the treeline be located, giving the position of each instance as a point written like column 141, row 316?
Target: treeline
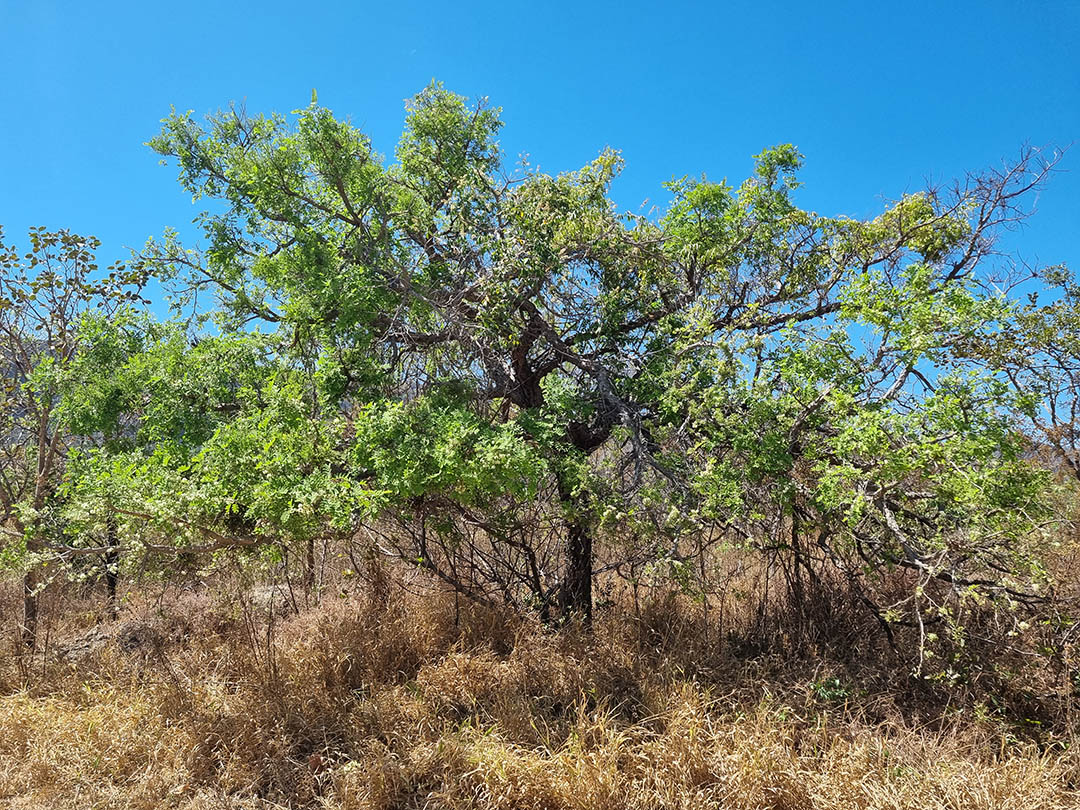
column 496, row 376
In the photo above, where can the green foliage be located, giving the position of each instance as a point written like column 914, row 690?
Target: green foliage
column 428, row 446
column 487, row 351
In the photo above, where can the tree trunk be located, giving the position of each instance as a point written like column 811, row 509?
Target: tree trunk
column 31, row 582
column 309, row 566
column 798, row 593
column 575, row 597
column 31, row 586
column 112, row 563
column 113, row 604
column 47, row 452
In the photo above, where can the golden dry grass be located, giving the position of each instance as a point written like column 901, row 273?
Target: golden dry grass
column 415, row 702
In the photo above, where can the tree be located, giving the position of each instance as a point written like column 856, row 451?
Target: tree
column 44, row 296
column 167, row 465
column 476, row 341
column 1038, row 351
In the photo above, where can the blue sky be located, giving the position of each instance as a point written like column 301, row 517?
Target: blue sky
column 878, row 96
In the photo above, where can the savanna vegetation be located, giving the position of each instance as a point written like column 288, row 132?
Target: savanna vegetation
column 450, row 484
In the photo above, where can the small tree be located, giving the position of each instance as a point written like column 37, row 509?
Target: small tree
column 44, row 296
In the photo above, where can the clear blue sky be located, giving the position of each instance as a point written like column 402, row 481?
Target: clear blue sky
column 878, row 96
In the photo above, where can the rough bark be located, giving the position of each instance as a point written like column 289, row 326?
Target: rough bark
column 575, row 595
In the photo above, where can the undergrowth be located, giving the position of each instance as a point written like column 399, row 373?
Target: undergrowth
column 387, row 699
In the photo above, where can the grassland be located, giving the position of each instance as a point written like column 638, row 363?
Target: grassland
column 380, row 697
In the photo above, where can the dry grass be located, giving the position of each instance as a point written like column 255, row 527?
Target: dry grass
column 418, row 702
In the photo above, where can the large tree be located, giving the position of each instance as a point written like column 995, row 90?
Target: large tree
column 485, row 346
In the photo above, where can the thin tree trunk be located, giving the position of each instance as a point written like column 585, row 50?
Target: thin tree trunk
column 31, row 586
column 112, row 563
column 798, row 592
column 31, row 583
column 309, row 565
column 47, row 450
